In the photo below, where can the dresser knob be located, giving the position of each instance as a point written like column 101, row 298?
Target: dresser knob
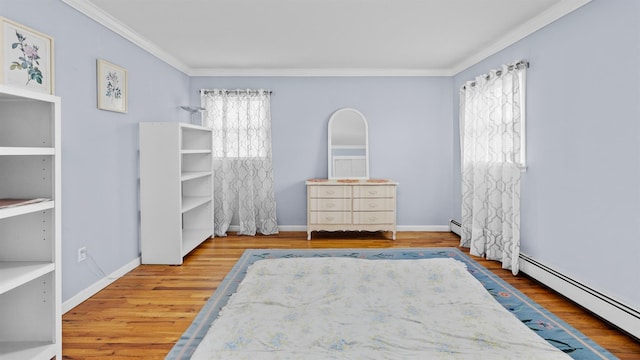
column 372, row 192
column 330, row 192
column 373, row 205
column 329, row 218
column 330, row 205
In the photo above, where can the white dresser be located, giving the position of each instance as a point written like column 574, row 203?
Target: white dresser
column 351, row 205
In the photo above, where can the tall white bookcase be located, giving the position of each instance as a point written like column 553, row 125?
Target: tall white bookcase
column 30, row 232
column 176, row 190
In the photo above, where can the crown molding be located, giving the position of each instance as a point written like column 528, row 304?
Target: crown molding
column 98, row 15
column 334, row 72
column 547, row 17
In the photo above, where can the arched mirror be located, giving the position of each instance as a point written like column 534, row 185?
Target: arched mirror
column 348, row 145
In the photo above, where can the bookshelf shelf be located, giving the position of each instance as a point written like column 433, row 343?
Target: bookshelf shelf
column 30, row 225
column 176, row 190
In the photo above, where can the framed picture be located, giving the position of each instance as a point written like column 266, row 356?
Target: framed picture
column 112, row 87
column 26, row 56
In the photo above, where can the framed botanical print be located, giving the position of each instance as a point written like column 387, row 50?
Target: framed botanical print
column 26, row 56
column 112, row 87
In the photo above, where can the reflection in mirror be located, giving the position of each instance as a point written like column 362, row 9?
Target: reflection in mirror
column 348, row 145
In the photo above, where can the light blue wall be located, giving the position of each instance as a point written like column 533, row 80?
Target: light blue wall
column 410, row 135
column 409, row 120
column 581, row 193
column 99, row 148
column 581, row 200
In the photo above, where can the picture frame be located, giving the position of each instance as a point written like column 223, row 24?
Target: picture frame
column 26, row 57
column 112, row 87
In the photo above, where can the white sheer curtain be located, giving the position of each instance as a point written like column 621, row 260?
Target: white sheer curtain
column 243, row 171
column 491, row 138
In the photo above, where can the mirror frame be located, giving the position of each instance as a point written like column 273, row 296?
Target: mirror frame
column 332, row 120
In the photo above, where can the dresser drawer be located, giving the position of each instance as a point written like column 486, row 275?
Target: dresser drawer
column 372, row 191
column 330, row 191
column 329, row 217
column 374, row 217
column 329, row 204
column 374, row 204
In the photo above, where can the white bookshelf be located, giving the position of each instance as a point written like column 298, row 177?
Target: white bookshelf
column 30, row 235
column 176, row 190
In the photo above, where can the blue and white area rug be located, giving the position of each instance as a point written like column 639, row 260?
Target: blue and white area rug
column 555, row 331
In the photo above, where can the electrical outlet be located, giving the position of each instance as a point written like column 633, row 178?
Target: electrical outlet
column 82, row 253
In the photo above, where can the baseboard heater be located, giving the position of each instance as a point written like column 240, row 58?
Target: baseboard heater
column 455, row 227
column 620, row 315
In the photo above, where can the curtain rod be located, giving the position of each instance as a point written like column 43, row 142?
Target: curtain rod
column 237, row 91
column 517, row 65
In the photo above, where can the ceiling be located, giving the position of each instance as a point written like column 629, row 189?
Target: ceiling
column 324, row 37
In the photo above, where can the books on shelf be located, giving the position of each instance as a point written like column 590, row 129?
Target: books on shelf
column 10, row 202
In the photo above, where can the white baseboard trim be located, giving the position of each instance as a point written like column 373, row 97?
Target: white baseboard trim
column 613, row 311
column 434, row 228
column 99, row 285
column 292, row 228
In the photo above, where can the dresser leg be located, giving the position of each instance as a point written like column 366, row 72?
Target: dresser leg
column 308, row 235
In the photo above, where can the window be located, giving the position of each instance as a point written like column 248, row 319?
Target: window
column 492, row 142
column 242, row 166
column 493, row 116
column 240, row 123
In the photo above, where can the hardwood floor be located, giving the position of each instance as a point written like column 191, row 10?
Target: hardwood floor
column 143, row 314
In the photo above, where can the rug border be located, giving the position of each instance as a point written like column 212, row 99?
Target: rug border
column 199, row 326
